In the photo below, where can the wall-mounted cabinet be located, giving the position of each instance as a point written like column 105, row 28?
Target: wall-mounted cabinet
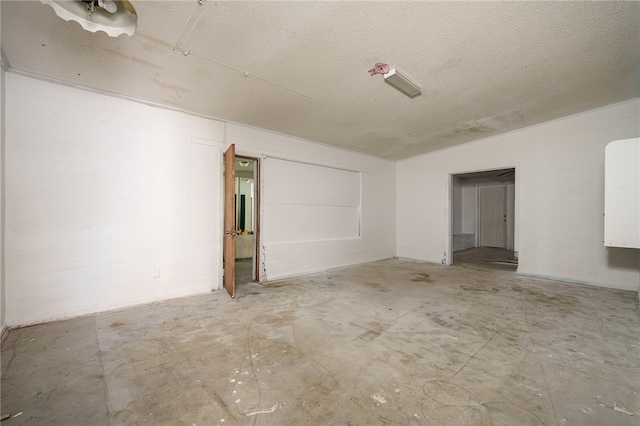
column 622, row 194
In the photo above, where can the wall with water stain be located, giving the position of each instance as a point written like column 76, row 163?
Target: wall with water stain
column 559, row 196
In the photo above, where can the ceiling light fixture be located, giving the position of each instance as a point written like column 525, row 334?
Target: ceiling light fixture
column 114, row 17
column 402, row 83
column 243, row 163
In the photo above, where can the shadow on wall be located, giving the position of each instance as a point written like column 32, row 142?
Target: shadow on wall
column 623, row 258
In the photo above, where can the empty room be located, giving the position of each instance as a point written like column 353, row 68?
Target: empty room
column 319, row 213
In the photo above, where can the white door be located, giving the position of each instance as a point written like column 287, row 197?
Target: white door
column 493, row 216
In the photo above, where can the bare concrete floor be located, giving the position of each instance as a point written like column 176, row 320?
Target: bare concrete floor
column 487, row 257
column 244, row 271
column 393, row 342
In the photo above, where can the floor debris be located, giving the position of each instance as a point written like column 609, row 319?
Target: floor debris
column 5, row 416
column 380, row 399
column 618, row 409
column 267, row 411
column 331, row 366
column 622, row 410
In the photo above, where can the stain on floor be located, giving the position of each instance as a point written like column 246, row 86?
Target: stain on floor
column 389, row 342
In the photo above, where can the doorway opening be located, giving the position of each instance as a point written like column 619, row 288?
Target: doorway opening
column 483, row 219
column 246, row 219
column 241, row 220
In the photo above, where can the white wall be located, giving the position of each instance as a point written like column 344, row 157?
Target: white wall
column 463, row 218
column 468, row 208
column 314, row 253
column 559, row 196
column 458, row 213
column 112, row 203
column 108, row 202
column 2, row 285
column 622, row 194
column 2, row 132
column 309, row 202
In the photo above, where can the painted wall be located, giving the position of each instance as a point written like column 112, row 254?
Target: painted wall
column 112, row 203
column 108, row 202
column 464, row 209
column 458, row 214
column 2, row 131
column 308, row 251
column 468, row 208
column 622, row 194
column 559, row 196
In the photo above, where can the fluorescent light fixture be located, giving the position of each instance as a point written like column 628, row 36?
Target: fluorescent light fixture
column 114, row 17
column 402, row 83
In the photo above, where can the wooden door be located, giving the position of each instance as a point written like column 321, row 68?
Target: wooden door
column 493, row 216
column 229, row 222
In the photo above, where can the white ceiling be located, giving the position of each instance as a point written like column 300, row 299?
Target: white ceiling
column 300, row 68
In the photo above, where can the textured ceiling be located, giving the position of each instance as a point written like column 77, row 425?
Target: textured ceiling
column 300, row 68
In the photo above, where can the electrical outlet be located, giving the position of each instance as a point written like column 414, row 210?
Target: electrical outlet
column 156, row 272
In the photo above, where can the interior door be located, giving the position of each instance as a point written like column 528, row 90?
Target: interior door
column 229, row 222
column 493, row 216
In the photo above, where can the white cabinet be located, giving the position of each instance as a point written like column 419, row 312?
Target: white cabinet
column 622, row 194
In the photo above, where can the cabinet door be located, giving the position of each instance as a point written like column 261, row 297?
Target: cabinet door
column 622, row 194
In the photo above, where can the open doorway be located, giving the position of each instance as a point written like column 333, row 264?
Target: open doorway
column 241, row 220
column 482, row 222
column 246, row 220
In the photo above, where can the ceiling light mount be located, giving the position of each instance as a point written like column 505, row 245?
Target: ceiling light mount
column 403, row 83
column 114, row 17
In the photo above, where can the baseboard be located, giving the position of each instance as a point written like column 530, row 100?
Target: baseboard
column 55, row 316
column 569, row 280
column 318, row 270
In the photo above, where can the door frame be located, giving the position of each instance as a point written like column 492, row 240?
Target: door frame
column 229, row 214
column 259, row 274
column 448, row 255
column 257, row 179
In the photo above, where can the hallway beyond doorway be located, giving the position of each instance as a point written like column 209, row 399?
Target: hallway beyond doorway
column 487, row 257
column 244, row 271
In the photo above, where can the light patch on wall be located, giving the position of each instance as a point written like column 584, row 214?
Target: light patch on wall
column 306, row 202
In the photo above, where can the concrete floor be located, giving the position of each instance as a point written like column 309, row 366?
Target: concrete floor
column 392, row 342
column 487, row 257
column 244, row 271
